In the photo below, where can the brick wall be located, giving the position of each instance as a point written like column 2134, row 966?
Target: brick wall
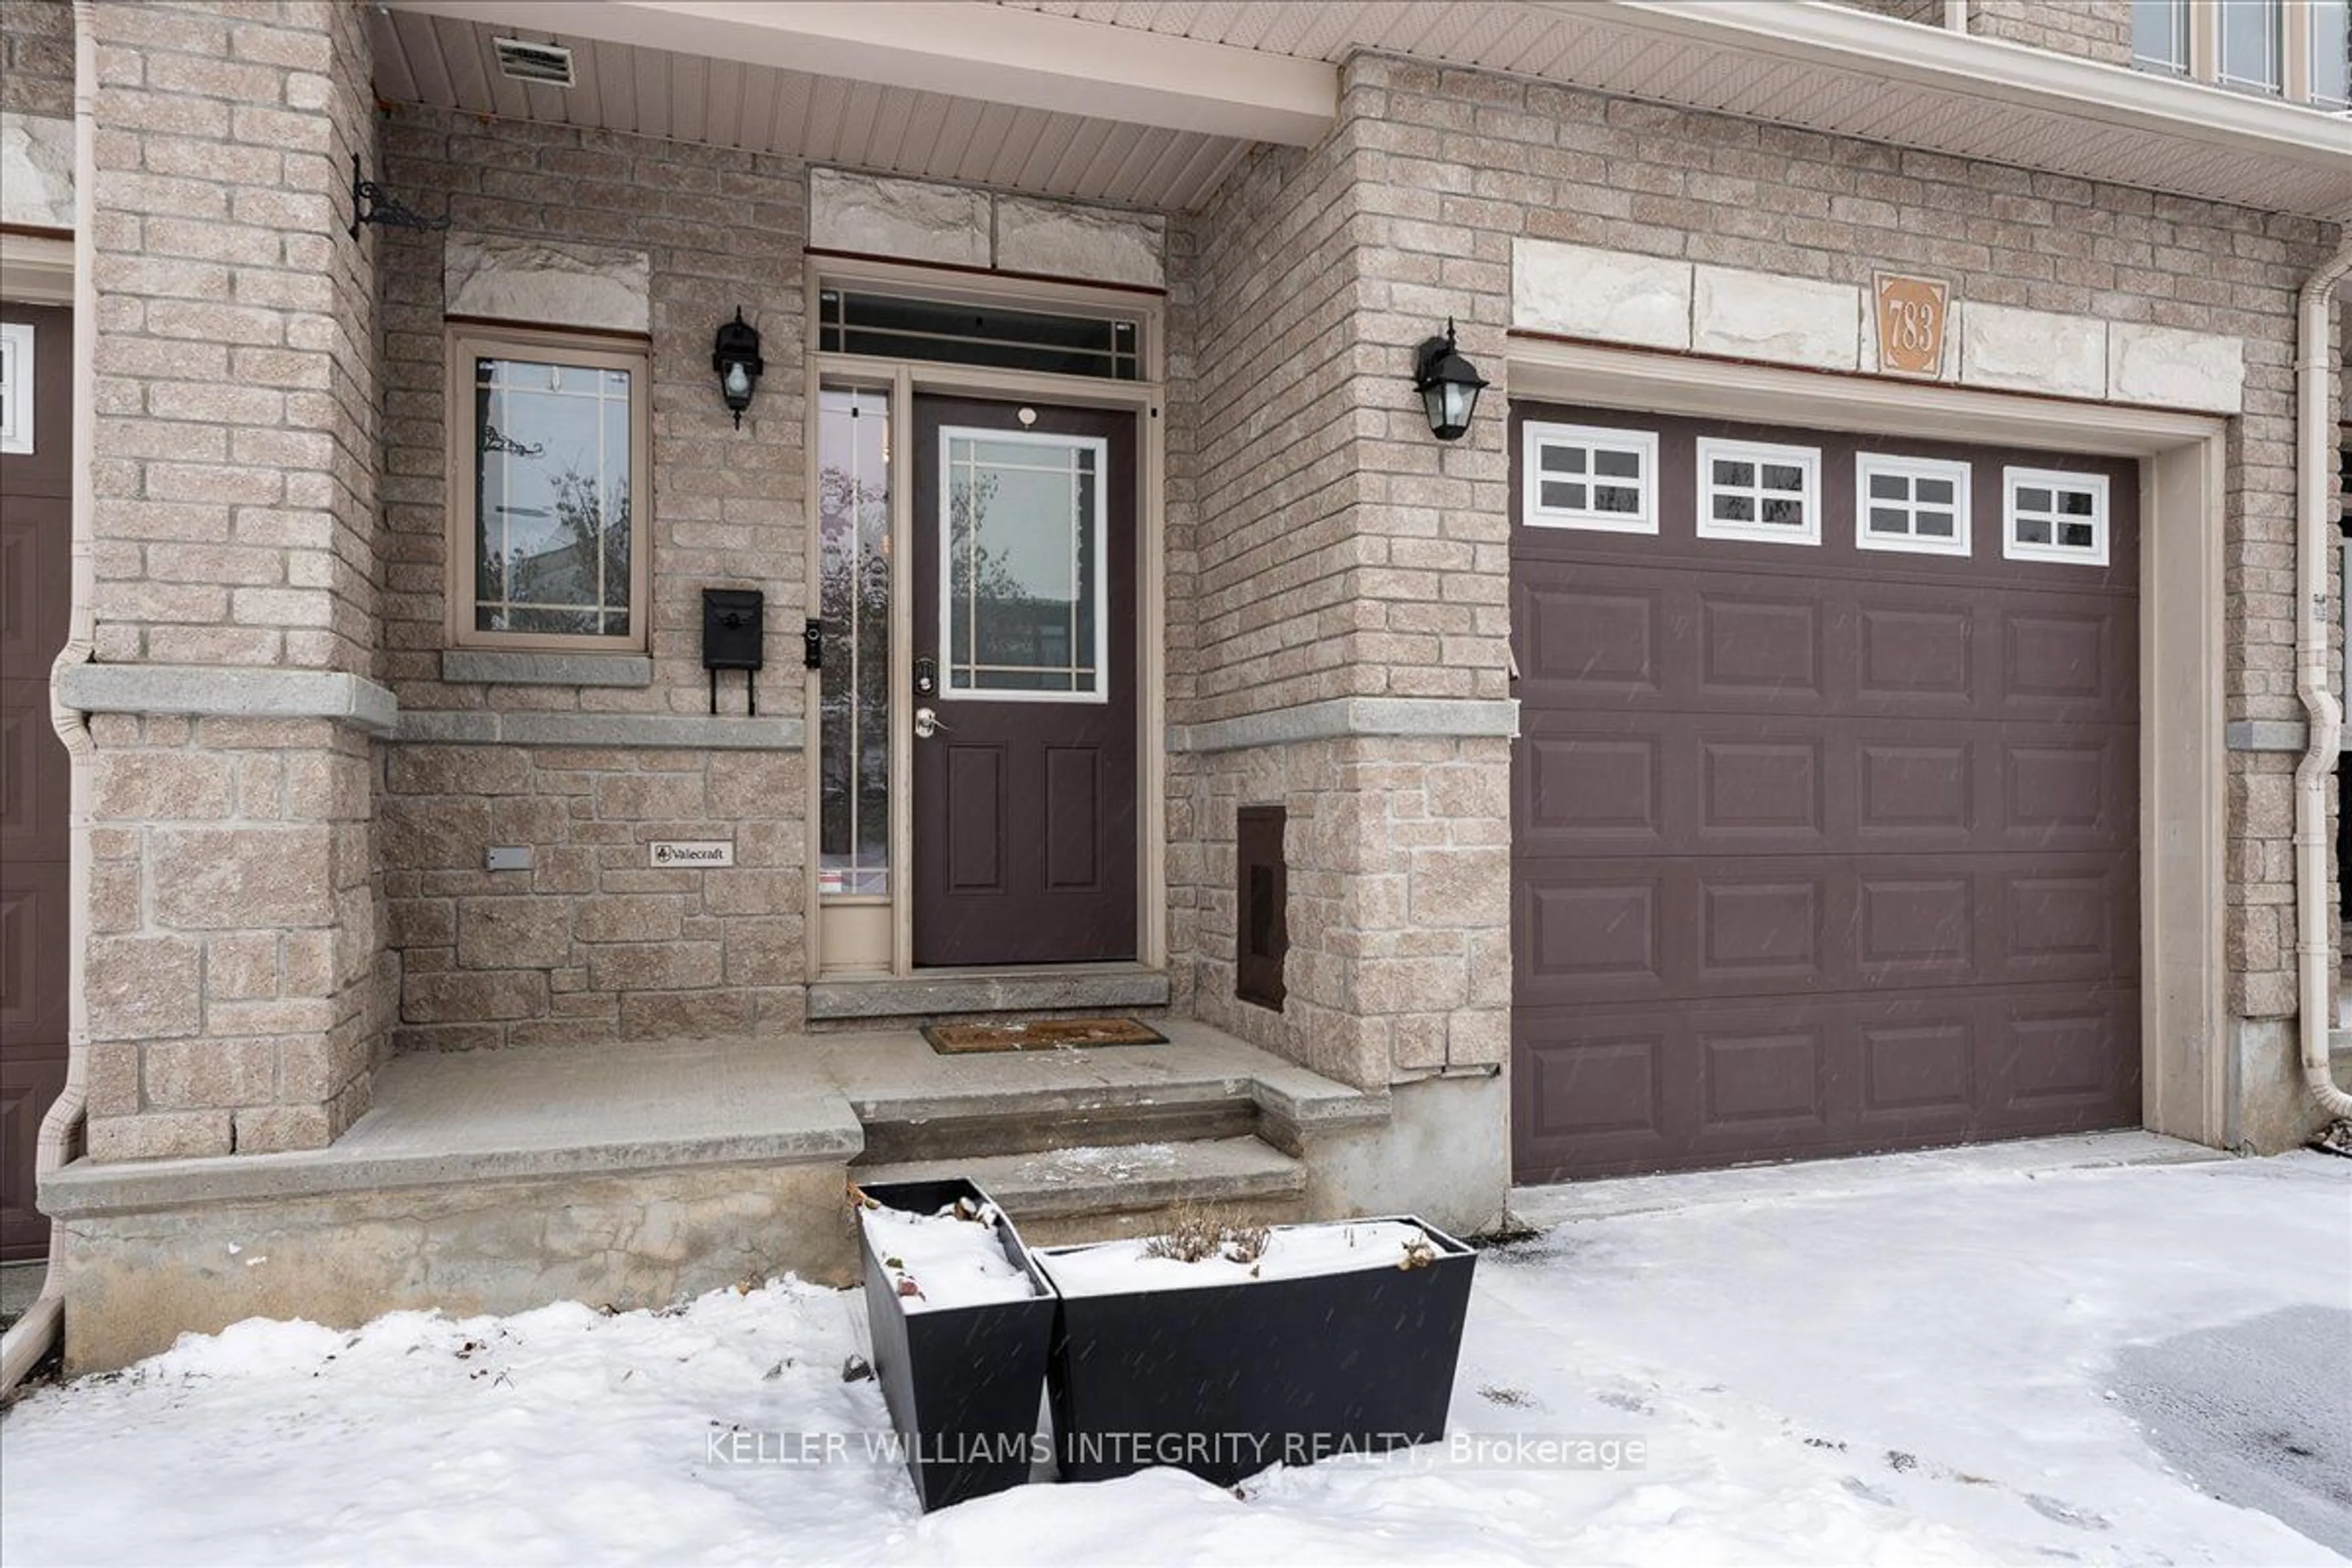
column 593, row 942
column 1323, row 543
column 236, row 988
column 2093, row 29
column 37, row 57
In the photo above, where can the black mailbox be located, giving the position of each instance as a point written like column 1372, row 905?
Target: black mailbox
column 734, row 633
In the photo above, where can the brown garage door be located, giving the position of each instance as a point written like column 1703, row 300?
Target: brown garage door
column 1817, row 848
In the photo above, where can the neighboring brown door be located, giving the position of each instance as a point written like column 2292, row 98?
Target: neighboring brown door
column 1819, row 849
column 36, row 529
column 1025, row 625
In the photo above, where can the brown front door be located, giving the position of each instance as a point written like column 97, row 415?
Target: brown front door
column 1025, row 769
column 36, row 528
column 1825, row 841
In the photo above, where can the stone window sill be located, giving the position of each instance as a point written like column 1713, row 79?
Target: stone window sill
column 507, row 667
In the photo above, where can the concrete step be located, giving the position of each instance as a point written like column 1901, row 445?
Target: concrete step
column 1029, row 1120
column 1094, row 1192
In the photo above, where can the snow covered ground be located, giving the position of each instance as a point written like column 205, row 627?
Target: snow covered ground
column 1901, row 1361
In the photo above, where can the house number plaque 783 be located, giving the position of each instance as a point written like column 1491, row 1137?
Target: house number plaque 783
column 1911, row 312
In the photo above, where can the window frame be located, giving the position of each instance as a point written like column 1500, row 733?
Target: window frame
column 2101, row 520
column 470, row 341
column 1099, row 694
column 2183, row 39
column 1533, row 437
column 1961, row 545
column 1807, row 460
column 19, row 351
column 2277, row 27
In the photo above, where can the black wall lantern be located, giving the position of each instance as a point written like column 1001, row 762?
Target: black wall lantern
column 735, row 355
column 1448, row 383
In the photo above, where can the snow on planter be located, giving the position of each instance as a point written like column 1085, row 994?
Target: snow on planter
column 1317, row 1340
column 958, row 1321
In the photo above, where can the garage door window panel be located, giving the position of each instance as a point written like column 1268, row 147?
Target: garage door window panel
column 1590, row 477
column 1752, row 492
column 2054, row 516
column 1912, row 504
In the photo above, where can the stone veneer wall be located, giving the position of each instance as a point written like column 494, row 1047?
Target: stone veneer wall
column 2093, row 29
column 591, row 942
column 237, row 995
column 37, row 57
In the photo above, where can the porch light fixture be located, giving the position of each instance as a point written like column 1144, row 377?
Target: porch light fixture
column 735, row 355
column 1448, row 383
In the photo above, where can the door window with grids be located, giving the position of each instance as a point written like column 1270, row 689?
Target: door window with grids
column 1910, row 504
column 1022, row 531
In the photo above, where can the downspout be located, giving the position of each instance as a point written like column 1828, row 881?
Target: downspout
column 2314, row 460
column 1955, row 15
column 24, row 1345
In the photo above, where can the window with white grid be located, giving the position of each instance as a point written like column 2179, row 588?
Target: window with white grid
column 16, row 387
column 1749, row 490
column 1913, row 504
column 1582, row 476
column 2048, row 515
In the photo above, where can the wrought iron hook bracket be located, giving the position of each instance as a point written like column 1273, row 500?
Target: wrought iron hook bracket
column 383, row 207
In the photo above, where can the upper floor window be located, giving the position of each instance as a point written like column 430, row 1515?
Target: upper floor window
column 2330, row 52
column 2252, row 53
column 547, row 485
column 2160, row 36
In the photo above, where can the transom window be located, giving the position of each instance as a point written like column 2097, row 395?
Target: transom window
column 549, row 486
column 1749, row 490
column 1021, row 529
column 16, row 387
column 1583, row 476
column 895, row 326
column 2054, row 516
column 1910, row 504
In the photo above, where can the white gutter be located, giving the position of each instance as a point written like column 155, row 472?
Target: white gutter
column 24, row 1345
column 2314, row 536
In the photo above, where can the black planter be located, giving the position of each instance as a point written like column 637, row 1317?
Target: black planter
column 1224, row 1379
column 962, row 1382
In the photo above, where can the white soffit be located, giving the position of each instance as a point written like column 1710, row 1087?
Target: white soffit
column 1827, row 68
column 447, row 61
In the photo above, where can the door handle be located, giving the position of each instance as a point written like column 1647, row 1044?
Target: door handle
column 927, row 723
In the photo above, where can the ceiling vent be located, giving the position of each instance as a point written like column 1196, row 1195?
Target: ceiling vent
column 526, row 61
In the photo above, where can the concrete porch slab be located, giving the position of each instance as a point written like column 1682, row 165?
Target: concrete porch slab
column 604, row 1107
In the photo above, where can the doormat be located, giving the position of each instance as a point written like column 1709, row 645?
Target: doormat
column 1040, row 1035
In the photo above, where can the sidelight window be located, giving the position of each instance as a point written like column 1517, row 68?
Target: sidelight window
column 854, row 603
column 1024, row 587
